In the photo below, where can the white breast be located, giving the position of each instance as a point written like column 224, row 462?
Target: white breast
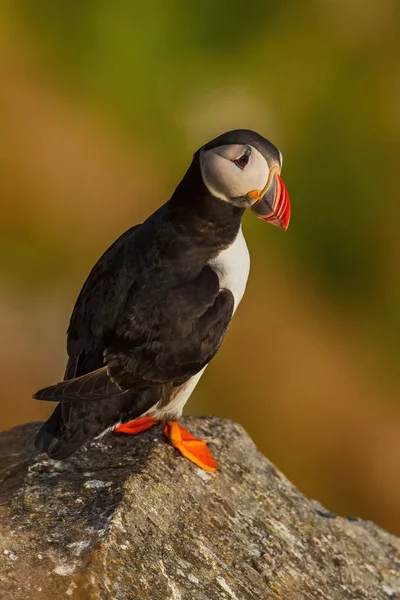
column 232, row 267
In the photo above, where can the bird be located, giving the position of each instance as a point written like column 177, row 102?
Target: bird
column 156, row 306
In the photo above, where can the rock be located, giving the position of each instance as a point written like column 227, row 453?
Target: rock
column 128, row 518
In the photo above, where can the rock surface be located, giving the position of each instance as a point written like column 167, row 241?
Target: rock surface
column 127, row 518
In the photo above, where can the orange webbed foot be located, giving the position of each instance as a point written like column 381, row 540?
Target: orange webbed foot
column 136, row 426
column 189, row 446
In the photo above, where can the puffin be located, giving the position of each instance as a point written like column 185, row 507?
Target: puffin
column 156, row 306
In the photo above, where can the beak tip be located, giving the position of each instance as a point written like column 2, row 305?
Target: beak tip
column 281, row 223
column 286, row 219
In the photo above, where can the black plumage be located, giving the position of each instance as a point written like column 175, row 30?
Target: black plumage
column 149, row 316
column 152, row 312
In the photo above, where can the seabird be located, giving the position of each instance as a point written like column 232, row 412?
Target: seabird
column 157, row 305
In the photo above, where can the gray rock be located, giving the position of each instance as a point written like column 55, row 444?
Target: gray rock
column 128, row 518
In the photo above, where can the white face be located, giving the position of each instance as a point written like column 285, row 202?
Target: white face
column 234, row 170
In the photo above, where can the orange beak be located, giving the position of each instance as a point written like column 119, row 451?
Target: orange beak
column 274, row 205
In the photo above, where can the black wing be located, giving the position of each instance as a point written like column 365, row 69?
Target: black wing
column 95, row 311
column 153, row 333
column 156, row 342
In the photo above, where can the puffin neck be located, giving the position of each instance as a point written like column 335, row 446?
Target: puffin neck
column 195, row 208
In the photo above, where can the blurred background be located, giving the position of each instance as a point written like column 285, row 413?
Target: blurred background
column 101, row 107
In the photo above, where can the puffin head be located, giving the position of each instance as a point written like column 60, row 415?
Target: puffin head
column 243, row 168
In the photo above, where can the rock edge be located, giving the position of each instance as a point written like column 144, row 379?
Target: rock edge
column 128, row 518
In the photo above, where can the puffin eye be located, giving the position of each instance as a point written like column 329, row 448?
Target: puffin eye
column 242, row 161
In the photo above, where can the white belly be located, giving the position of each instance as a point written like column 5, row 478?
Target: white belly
column 174, row 409
column 232, row 267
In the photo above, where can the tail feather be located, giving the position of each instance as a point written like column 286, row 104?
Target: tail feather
column 96, row 385
column 74, row 423
column 64, row 432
